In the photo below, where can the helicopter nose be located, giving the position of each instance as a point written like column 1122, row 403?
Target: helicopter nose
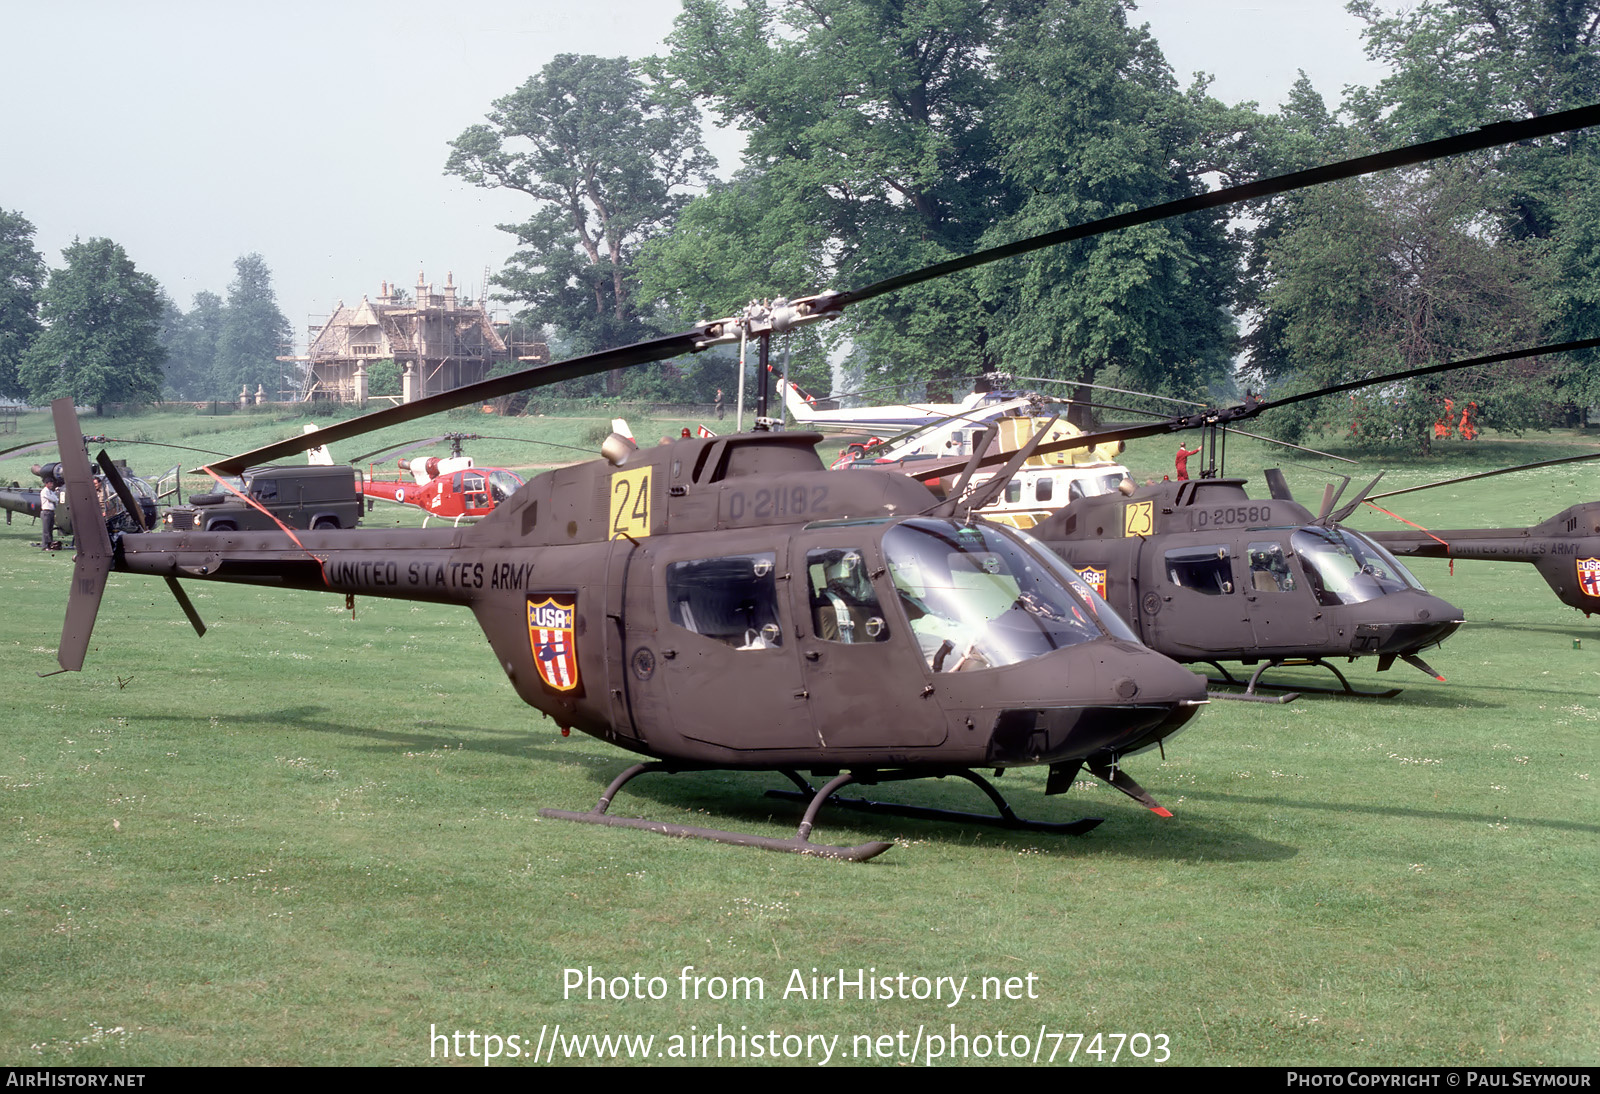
column 1431, row 621
column 1139, row 698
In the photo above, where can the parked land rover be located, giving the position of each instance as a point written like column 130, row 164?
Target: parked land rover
column 300, row 496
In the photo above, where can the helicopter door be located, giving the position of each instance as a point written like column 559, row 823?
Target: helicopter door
column 1201, row 611
column 1284, row 613
column 852, row 655
column 639, row 703
column 728, row 663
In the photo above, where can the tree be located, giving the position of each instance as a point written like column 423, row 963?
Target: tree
column 22, row 275
column 102, row 325
column 870, row 153
column 1400, row 271
column 1090, row 122
column 1463, row 63
column 606, row 160
column 885, row 137
column 191, row 344
column 253, row 333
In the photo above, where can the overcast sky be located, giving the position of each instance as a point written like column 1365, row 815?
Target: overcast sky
column 315, row 133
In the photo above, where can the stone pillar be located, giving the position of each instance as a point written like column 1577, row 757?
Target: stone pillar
column 261, row 395
column 361, row 384
column 244, row 396
column 408, row 383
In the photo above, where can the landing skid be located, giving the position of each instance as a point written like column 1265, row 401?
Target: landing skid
column 1254, row 684
column 1007, row 818
column 799, row 845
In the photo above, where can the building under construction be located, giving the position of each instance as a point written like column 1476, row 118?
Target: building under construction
column 438, row 343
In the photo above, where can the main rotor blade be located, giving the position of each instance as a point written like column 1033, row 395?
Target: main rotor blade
column 1296, row 447
column 1253, row 406
column 25, row 447
column 155, row 444
column 656, row 349
column 1486, row 475
column 1488, row 136
column 1108, row 387
column 1354, row 503
column 828, row 304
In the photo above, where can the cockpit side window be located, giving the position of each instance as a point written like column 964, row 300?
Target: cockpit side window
column 1270, row 571
column 844, row 605
column 732, row 599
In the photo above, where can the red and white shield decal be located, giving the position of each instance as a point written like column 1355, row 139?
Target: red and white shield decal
column 1095, row 576
column 1589, row 576
column 550, row 633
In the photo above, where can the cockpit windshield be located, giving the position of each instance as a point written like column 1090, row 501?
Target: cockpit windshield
column 1347, row 568
column 976, row 599
column 502, row 484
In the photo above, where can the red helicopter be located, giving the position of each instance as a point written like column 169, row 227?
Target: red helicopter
column 447, row 487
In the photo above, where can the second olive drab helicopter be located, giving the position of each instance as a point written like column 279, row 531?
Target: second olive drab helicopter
column 650, row 598
column 1207, row 574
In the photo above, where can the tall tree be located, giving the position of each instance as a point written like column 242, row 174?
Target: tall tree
column 1397, row 272
column 190, row 340
column 1091, row 122
column 884, row 137
column 1464, row 63
column 22, row 275
column 870, row 153
column 253, row 333
column 606, row 160
column 102, row 325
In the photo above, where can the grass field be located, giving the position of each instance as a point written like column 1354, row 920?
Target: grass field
column 311, row 838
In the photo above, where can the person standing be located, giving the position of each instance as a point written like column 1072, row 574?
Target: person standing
column 1182, row 461
column 49, row 498
column 719, row 404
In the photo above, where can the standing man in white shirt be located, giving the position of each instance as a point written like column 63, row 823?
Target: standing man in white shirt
column 49, row 498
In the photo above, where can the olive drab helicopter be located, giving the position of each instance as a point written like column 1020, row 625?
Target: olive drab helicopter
column 639, row 598
column 642, row 599
column 1207, row 574
column 25, row 501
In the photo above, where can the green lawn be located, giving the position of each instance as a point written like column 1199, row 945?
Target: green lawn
column 312, row 838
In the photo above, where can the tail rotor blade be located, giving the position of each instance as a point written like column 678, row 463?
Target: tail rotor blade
column 187, row 605
column 93, row 560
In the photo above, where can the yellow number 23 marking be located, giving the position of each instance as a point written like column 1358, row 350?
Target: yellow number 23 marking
column 1138, row 519
column 630, row 503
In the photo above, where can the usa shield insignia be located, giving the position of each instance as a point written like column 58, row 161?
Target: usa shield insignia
column 1589, row 576
column 1095, row 576
column 550, row 633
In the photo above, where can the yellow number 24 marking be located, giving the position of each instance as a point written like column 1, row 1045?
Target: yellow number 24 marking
column 630, row 503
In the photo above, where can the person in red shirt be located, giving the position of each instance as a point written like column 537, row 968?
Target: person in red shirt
column 1183, row 460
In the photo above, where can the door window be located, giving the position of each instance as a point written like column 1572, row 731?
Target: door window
column 732, row 599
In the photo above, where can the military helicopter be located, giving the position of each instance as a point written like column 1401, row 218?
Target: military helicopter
column 17, row 499
column 886, row 637
column 633, row 599
column 1564, row 549
column 1207, row 574
column 449, row 487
